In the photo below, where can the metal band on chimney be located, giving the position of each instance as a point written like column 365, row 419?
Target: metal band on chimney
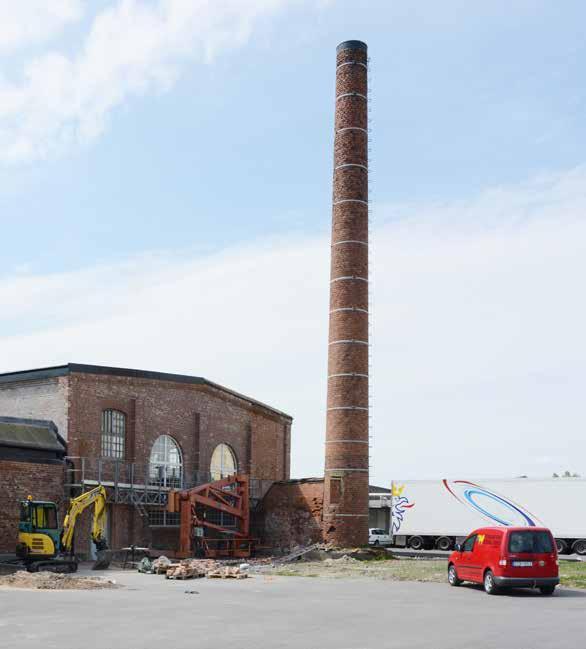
column 364, row 376
column 351, row 164
column 351, row 63
column 352, row 128
column 347, row 468
column 348, row 408
column 339, row 243
column 351, row 94
column 349, row 308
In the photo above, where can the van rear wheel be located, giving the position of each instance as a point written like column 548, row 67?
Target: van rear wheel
column 547, row 590
column 490, row 586
column 453, row 576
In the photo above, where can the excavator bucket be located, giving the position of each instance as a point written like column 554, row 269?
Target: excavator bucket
column 103, row 559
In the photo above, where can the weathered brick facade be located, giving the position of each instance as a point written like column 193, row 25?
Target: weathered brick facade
column 345, row 511
column 196, row 413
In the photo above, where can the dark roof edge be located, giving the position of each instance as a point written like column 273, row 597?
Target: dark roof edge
column 64, row 370
column 41, row 423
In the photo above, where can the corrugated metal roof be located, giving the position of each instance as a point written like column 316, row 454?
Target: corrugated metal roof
column 30, row 433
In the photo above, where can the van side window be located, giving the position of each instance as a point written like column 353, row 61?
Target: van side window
column 469, row 544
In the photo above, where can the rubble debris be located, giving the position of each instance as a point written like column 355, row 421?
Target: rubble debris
column 145, row 566
column 161, row 565
column 55, row 581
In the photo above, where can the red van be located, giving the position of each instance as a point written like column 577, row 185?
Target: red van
column 506, row 557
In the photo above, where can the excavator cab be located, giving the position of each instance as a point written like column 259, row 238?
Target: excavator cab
column 38, row 530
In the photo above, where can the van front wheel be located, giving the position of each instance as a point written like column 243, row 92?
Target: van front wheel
column 489, row 584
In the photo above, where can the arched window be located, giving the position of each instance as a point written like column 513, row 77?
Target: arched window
column 113, row 433
column 223, row 462
column 166, row 464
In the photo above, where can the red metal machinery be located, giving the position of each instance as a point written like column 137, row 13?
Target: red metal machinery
column 222, row 506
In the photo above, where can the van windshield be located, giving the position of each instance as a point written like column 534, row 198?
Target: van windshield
column 530, row 542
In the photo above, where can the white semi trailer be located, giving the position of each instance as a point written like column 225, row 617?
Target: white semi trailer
column 439, row 513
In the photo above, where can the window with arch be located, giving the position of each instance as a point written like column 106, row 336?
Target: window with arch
column 223, row 462
column 166, row 462
column 113, row 433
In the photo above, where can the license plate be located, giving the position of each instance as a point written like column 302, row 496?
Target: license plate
column 522, row 564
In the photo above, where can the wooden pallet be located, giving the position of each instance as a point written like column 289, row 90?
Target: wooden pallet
column 224, row 575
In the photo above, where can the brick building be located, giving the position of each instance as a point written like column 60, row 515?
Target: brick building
column 141, row 433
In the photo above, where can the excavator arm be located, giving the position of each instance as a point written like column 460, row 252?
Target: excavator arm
column 77, row 506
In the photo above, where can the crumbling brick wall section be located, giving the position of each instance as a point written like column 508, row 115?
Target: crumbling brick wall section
column 291, row 514
column 19, row 480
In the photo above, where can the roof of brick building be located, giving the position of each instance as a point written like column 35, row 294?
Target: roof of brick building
column 71, row 368
column 34, row 434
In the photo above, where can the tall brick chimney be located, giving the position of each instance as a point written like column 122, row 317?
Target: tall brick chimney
column 346, row 455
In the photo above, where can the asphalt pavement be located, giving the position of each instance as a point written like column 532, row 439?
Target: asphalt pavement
column 267, row 612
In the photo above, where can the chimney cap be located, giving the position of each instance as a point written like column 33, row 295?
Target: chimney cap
column 351, row 45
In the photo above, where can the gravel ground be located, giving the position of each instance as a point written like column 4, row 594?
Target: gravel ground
column 572, row 574
column 54, row 581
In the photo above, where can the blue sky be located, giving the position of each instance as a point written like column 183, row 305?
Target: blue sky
column 145, row 142
column 464, row 97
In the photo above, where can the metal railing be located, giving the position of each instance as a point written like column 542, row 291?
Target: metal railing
column 145, row 484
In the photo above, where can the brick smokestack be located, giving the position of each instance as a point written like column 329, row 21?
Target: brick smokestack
column 346, row 455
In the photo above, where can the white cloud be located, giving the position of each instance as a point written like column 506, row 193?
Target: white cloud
column 26, row 22
column 132, row 47
column 479, row 330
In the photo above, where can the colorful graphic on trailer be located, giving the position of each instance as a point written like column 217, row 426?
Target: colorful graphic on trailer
column 490, row 505
column 399, row 504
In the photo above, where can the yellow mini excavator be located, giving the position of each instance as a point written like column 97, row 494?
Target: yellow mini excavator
column 42, row 545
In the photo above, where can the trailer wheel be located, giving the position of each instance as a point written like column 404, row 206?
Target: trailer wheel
column 561, row 546
column 579, row 546
column 444, row 543
column 416, row 543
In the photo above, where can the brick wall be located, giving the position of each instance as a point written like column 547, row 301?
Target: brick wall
column 39, row 399
column 291, row 514
column 17, row 481
column 197, row 417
